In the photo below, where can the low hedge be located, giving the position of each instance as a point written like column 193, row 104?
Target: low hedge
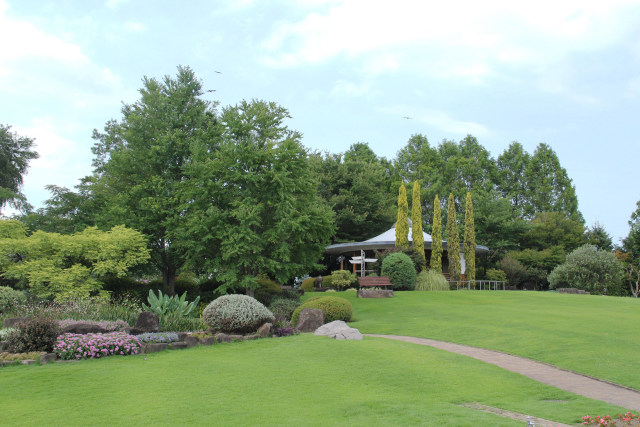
column 334, row 308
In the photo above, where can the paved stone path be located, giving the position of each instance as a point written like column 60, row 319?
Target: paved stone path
column 547, row 374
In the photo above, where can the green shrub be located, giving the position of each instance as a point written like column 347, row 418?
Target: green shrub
column 307, row 284
column 4, row 333
column 341, row 279
column 400, row 269
column 292, row 294
column 284, row 307
column 267, row 291
column 236, row 314
column 431, row 280
column 334, row 308
column 495, row 274
column 163, row 304
column 37, row 334
column 589, row 269
column 10, row 298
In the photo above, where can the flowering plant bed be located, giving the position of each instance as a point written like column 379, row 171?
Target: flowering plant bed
column 627, row 419
column 158, row 337
column 93, row 346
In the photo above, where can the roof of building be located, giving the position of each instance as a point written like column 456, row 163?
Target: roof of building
column 386, row 240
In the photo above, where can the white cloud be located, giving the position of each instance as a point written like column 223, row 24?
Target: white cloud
column 464, row 38
column 115, row 4
column 440, row 120
column 136, row 27
column 55, row 164
column 345, row 88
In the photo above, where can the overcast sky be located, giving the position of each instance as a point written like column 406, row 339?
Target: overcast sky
column 566, row 73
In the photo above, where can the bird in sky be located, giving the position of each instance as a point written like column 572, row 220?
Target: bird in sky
column 217, row 72
column 211, row 90
column 407, row 117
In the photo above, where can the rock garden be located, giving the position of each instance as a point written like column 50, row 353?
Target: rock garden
column 74, row 330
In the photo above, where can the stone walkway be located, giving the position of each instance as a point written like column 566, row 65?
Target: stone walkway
column 544, row 373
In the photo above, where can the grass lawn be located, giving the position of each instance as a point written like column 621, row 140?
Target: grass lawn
column 595, row 335
column 303, row 380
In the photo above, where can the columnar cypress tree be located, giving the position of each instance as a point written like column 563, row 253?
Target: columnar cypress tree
column 469, row 239
column 416, row 219
column 453, row 241
column 436, row 237
column 402, row 226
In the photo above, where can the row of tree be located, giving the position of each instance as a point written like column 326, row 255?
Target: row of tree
column 234, row 194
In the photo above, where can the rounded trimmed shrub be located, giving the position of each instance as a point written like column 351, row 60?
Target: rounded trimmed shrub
column 334, row 308
column 10, row 298
column 283, row 307
column 400, row 269
column 236, row 313
column 268, row 290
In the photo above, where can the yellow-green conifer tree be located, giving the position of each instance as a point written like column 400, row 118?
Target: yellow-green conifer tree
column 416, row 219
column 436, row 237
column 402, row 226
column 453, row 240
column 469, row 239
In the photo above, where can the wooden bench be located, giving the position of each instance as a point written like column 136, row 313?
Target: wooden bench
column 374, row 282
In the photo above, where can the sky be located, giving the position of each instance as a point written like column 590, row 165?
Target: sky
column 566, row 73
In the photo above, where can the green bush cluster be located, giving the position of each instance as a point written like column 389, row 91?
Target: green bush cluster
column 496, row 274
column 37, row 334
column 334, row 308
column 236, row 314
column 10, row 298
column 401, row 271
column 268, row 290
column 431, row 280
column 307, row 284
column 284, row 307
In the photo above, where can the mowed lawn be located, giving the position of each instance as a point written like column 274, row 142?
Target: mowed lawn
column 594, row 335
column 302, row 380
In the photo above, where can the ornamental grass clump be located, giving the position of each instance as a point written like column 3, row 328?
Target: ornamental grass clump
column 283, row 307
column 95, row 346
column 236, row 314
column 431, row 280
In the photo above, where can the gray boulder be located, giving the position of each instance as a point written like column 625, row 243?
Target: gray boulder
column 264, row 330
column 375, row 293
column 84, row 328
column 339, row 330
column 310, row 319
column 147, row 322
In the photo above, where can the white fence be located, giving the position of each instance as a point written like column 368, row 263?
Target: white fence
column 480, row 285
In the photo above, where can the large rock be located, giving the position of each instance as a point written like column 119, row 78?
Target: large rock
column 47, row 357
column 148, row 322
column 84, row 328
column 339, row 330
column 154, row 347
column 13, row 322
column 375, row 293
column 310, row 319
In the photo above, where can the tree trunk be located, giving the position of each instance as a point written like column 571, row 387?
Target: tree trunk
column 169, row 279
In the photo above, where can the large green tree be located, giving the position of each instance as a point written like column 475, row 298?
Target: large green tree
column 511, row 166
column 141, row 163
column 252, row 208
column 15, row 153
column 549, row 187
column 357, row 185
column 597, row 236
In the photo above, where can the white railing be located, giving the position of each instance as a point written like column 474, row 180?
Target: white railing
column 480, row 285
